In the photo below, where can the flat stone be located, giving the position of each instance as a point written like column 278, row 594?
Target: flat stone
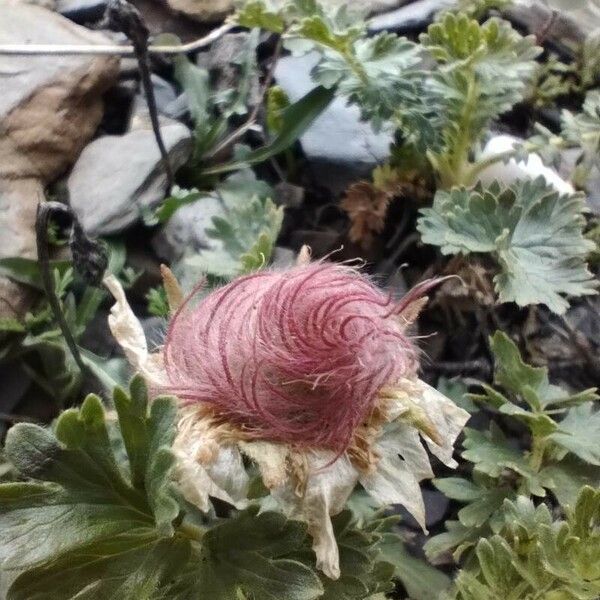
column 508, row 173
column 411, row 17
column 571, row 25
column 50, row 107
column 117, row 177
column 337, row 142
column 164, row 95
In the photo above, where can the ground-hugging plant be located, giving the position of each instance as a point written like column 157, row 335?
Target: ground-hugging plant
column 36, row 339
column 562, row 456
column 533, row 233
column 441, row 94
column 293, row 387
column 98, row 517
column 579, row 131
column 535, row 556
column 243, row 233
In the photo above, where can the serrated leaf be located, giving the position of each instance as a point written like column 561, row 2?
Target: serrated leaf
column 491, row 454
column 534, row 234
column 457, row 488
column 103, row 521
column 252, row 554
column 531, row 553
column 579, row 433
column 456, row 535
column 566, row 478
column 85, row 499
column 514, row 375
column 421, row 580
column 245, row 233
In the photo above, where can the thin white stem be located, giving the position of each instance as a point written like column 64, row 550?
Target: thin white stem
column 100, row 49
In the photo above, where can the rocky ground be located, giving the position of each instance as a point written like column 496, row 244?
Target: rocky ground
column 76, row 128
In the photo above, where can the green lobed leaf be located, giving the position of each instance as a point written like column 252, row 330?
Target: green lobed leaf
column 100, row 518
column 579, row 432
column 245, row 234
column 534, row 234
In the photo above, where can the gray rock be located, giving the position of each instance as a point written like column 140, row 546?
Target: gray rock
column 205, row 11
column 569, row 26
column 186, row 229
column 289, row 195
column 82, row 11
column 117, row 177
column 177, row 109
column 413, row 16
column 338, row 143
column 164, row 95
column 50, row 107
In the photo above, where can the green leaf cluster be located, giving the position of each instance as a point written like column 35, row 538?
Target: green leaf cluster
column 441, row 94
column 94, row 512
column 534, row 557
column 244, row 234
column 97, row 516
column 562, row 457
column 533, row 233
column 37, row 341
column 481, row 71
column 375, row 73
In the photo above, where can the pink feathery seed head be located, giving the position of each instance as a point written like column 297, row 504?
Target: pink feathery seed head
column 295, row 356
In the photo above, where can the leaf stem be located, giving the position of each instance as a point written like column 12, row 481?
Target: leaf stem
column 480, row 165
column 462, row 147
column 538, row 449
column 44, row 211
column 192, row 532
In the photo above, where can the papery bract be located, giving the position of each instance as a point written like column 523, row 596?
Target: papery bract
column 296, row 356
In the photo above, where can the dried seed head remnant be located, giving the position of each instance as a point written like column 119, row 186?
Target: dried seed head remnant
column 296, row 356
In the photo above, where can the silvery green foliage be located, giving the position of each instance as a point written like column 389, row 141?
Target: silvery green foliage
column 441, row 93
column 534, row 234
column 537, row 557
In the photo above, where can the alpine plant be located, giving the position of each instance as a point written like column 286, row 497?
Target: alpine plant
column 306, row 375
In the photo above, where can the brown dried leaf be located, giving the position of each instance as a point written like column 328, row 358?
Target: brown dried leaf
column 366, row 207
column 473, row 285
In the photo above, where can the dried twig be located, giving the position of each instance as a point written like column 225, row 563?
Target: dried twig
column 89, row 258
column 111, row 49
column 126, row 18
